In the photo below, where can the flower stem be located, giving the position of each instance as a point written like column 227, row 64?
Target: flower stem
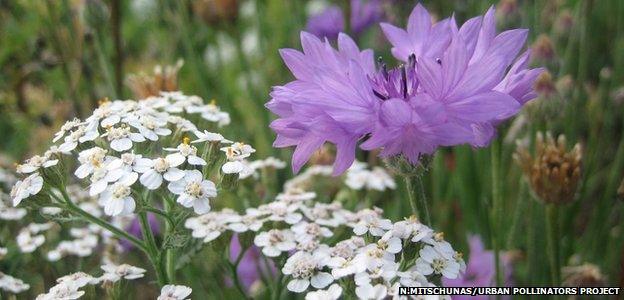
column 496, row 210
column 418, row 199
column 552, row 236
column 152, row 250
column 114, row 230
column 169, row 253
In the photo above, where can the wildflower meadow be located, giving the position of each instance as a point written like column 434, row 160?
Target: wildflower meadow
column 311, row 149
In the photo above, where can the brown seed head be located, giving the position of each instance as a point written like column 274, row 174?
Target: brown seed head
column 543, row 48
column 163, row 79
column 583, row 275
column 553, row 172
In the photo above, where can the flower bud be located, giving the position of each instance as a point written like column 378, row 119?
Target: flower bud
column 553, row 172
column 543, row 48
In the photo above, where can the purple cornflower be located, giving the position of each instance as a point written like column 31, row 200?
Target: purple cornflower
column 480, row 270
column 330, row 22
column 134, row 228
column 327, row 23
column 251, row 265
column 453, row 88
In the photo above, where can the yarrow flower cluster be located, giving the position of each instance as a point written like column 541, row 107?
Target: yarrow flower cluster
column 118, row 153
column 68, row 286
column 455, row 84
column 305, row 231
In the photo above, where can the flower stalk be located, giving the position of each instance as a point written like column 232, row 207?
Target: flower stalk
column 496, row 209
column 417, row 198
column 552, row 241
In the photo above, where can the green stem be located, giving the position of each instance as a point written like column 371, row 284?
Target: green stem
column 552, row 241
column 153, row 251
column 496, row 209
column 114, row 230
column 418, row 199
column 169, row 253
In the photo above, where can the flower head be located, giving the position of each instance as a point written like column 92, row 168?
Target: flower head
column 457, row 84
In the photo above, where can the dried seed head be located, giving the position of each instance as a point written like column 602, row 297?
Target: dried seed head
column 543, row 48
column 553, row 172
column 163, row 79
column 215, row 11
column 564, row 22
column 544, row 85
column 583, row 275
column 507, row 8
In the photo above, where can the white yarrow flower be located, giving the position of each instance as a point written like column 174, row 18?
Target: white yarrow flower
column 174, row 292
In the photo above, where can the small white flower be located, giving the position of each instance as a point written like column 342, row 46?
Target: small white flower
column 238, row 151
column 67, row 290
column 117, row 200
column 128, row 166
column 90, row 159
column 185, row 152
column 370, row 292
column 149, row 126
column 305, row 269
column 372, row 223
column 80, row 134
column 194, row 191
column 114, row 273
column 174, row 292
column 121, row 138
column 23, row 189
column 275, row 241
column 35, row 163
column 332, row 293
column 207, row 226
column 12, row 284
column 237, row 167
column 161, row 168
column 213, row 113
column 79, row 279
column 27, row 241
column 342, row 267
column 433, row 262
column 69, row 125
column 305, row 231
column 210, row 137
column 280, row 211
column 412, row 277
column 245, row 223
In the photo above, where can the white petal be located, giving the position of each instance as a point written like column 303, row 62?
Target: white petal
column 173, row 174
column 298, row 285
column 175, row 159
column 321, row 280
column 151, row 179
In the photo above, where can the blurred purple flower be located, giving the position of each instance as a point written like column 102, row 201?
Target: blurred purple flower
column 330, row 22
column 454, row 88
column 480, row 269
column 134, row 228
column 251, row 265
